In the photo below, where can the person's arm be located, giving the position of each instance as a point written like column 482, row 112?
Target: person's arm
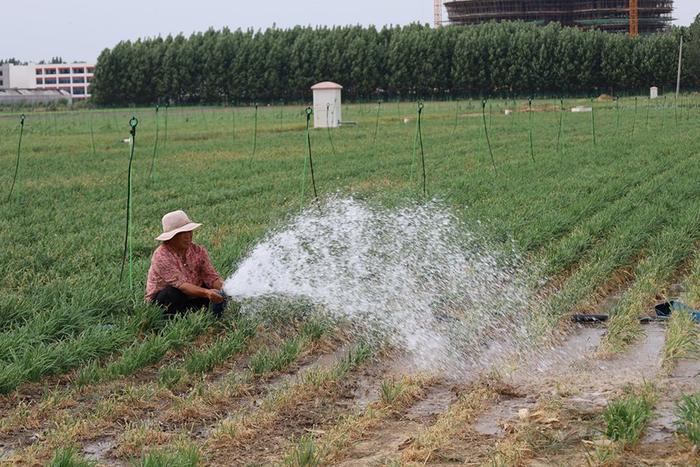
column 209, row 274
column 192, row 290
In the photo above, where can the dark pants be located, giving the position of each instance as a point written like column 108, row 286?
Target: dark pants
column 174, row 301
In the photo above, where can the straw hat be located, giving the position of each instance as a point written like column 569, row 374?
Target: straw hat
column 174, row 223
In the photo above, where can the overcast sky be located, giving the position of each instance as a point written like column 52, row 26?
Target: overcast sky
column 80, row 29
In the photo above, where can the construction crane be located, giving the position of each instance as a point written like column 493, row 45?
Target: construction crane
column 437, row 11
column 634, row 18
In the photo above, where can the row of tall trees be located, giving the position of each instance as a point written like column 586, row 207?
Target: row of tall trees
column 410, row 61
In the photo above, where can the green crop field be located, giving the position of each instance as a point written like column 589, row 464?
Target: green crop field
column 604, row 203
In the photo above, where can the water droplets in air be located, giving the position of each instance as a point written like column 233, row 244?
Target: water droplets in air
column 414, row 276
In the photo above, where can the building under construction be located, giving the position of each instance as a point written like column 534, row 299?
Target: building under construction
column 608, row 15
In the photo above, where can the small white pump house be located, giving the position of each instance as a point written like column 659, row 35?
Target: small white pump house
column 327, row 112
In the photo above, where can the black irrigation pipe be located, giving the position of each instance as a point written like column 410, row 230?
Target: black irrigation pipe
column 422, row 153
column 486, row 132
column 647, row 106
column 595, row 143
column 663, row 115
column 376, row 124
column 155, row 149
column 676, row 110
column 532, row 147
column 281, row 114
column 309, row 111
column 328, row 128
column 233, row 124
column 133, row 123
column 19, row 151
column 561, row 125
column 454, row 128
column 165, row 117
column 92, row 136
column 255, row 133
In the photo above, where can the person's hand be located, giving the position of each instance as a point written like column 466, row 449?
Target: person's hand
column 214, row 296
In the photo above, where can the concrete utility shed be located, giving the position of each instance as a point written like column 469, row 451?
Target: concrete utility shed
column 327, row 112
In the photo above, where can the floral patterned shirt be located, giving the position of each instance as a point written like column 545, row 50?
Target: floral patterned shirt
column 168, row 268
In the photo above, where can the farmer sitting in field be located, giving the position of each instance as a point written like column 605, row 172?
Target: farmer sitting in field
column 181, row 276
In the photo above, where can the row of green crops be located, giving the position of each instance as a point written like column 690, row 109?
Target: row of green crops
column 591, row 209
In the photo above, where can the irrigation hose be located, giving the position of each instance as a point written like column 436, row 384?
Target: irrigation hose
column 308, row 160
column 92, row 137
column 486, row 133
column 595, row 143
column 561, row 125
column 133, row 123
column 422, row 153
column 328, row 128
column 532, row 147
column 233, row 123
column 454, row 128
column 648, row 101
column 376, row 124
column 165, row 137
column 281, row 114
column 255, row 133
column 19, row 151
column 155, row 149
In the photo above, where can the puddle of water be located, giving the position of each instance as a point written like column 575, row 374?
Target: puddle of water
column 590, row 401
column 575, row 362
column 642, row 360
column 683, row 381
column 98, row 451
column 687, row 369
column 382, row 446
column 558, row 359
column 439, row 399
column 497, row 417
column 662, row 426
column 5, row 452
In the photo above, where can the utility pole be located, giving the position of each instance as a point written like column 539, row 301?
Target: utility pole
column 437, row 11
column 634, row 18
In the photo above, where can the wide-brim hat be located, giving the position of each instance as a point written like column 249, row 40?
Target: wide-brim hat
column 174, row 223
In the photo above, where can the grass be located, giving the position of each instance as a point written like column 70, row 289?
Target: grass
column 241, row 426
column 182, row 456
column 681, row 340
column 229, row 344
column 69, row 457
column 626, row 418
column 688, row 423
column 583, row 214
column 329, row 448
column 564, row 209
column 178, row 332
column 267, row 361
column 304, row 454
column 450, row 423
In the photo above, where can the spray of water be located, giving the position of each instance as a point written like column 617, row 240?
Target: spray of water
column 413, row 276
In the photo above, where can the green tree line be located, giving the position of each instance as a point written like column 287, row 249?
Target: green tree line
column 414, row 61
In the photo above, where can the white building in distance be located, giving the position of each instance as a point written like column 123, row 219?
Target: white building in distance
column 73, row 78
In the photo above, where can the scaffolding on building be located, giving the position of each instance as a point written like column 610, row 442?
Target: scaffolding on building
column 437, row 12
column 607, row 15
